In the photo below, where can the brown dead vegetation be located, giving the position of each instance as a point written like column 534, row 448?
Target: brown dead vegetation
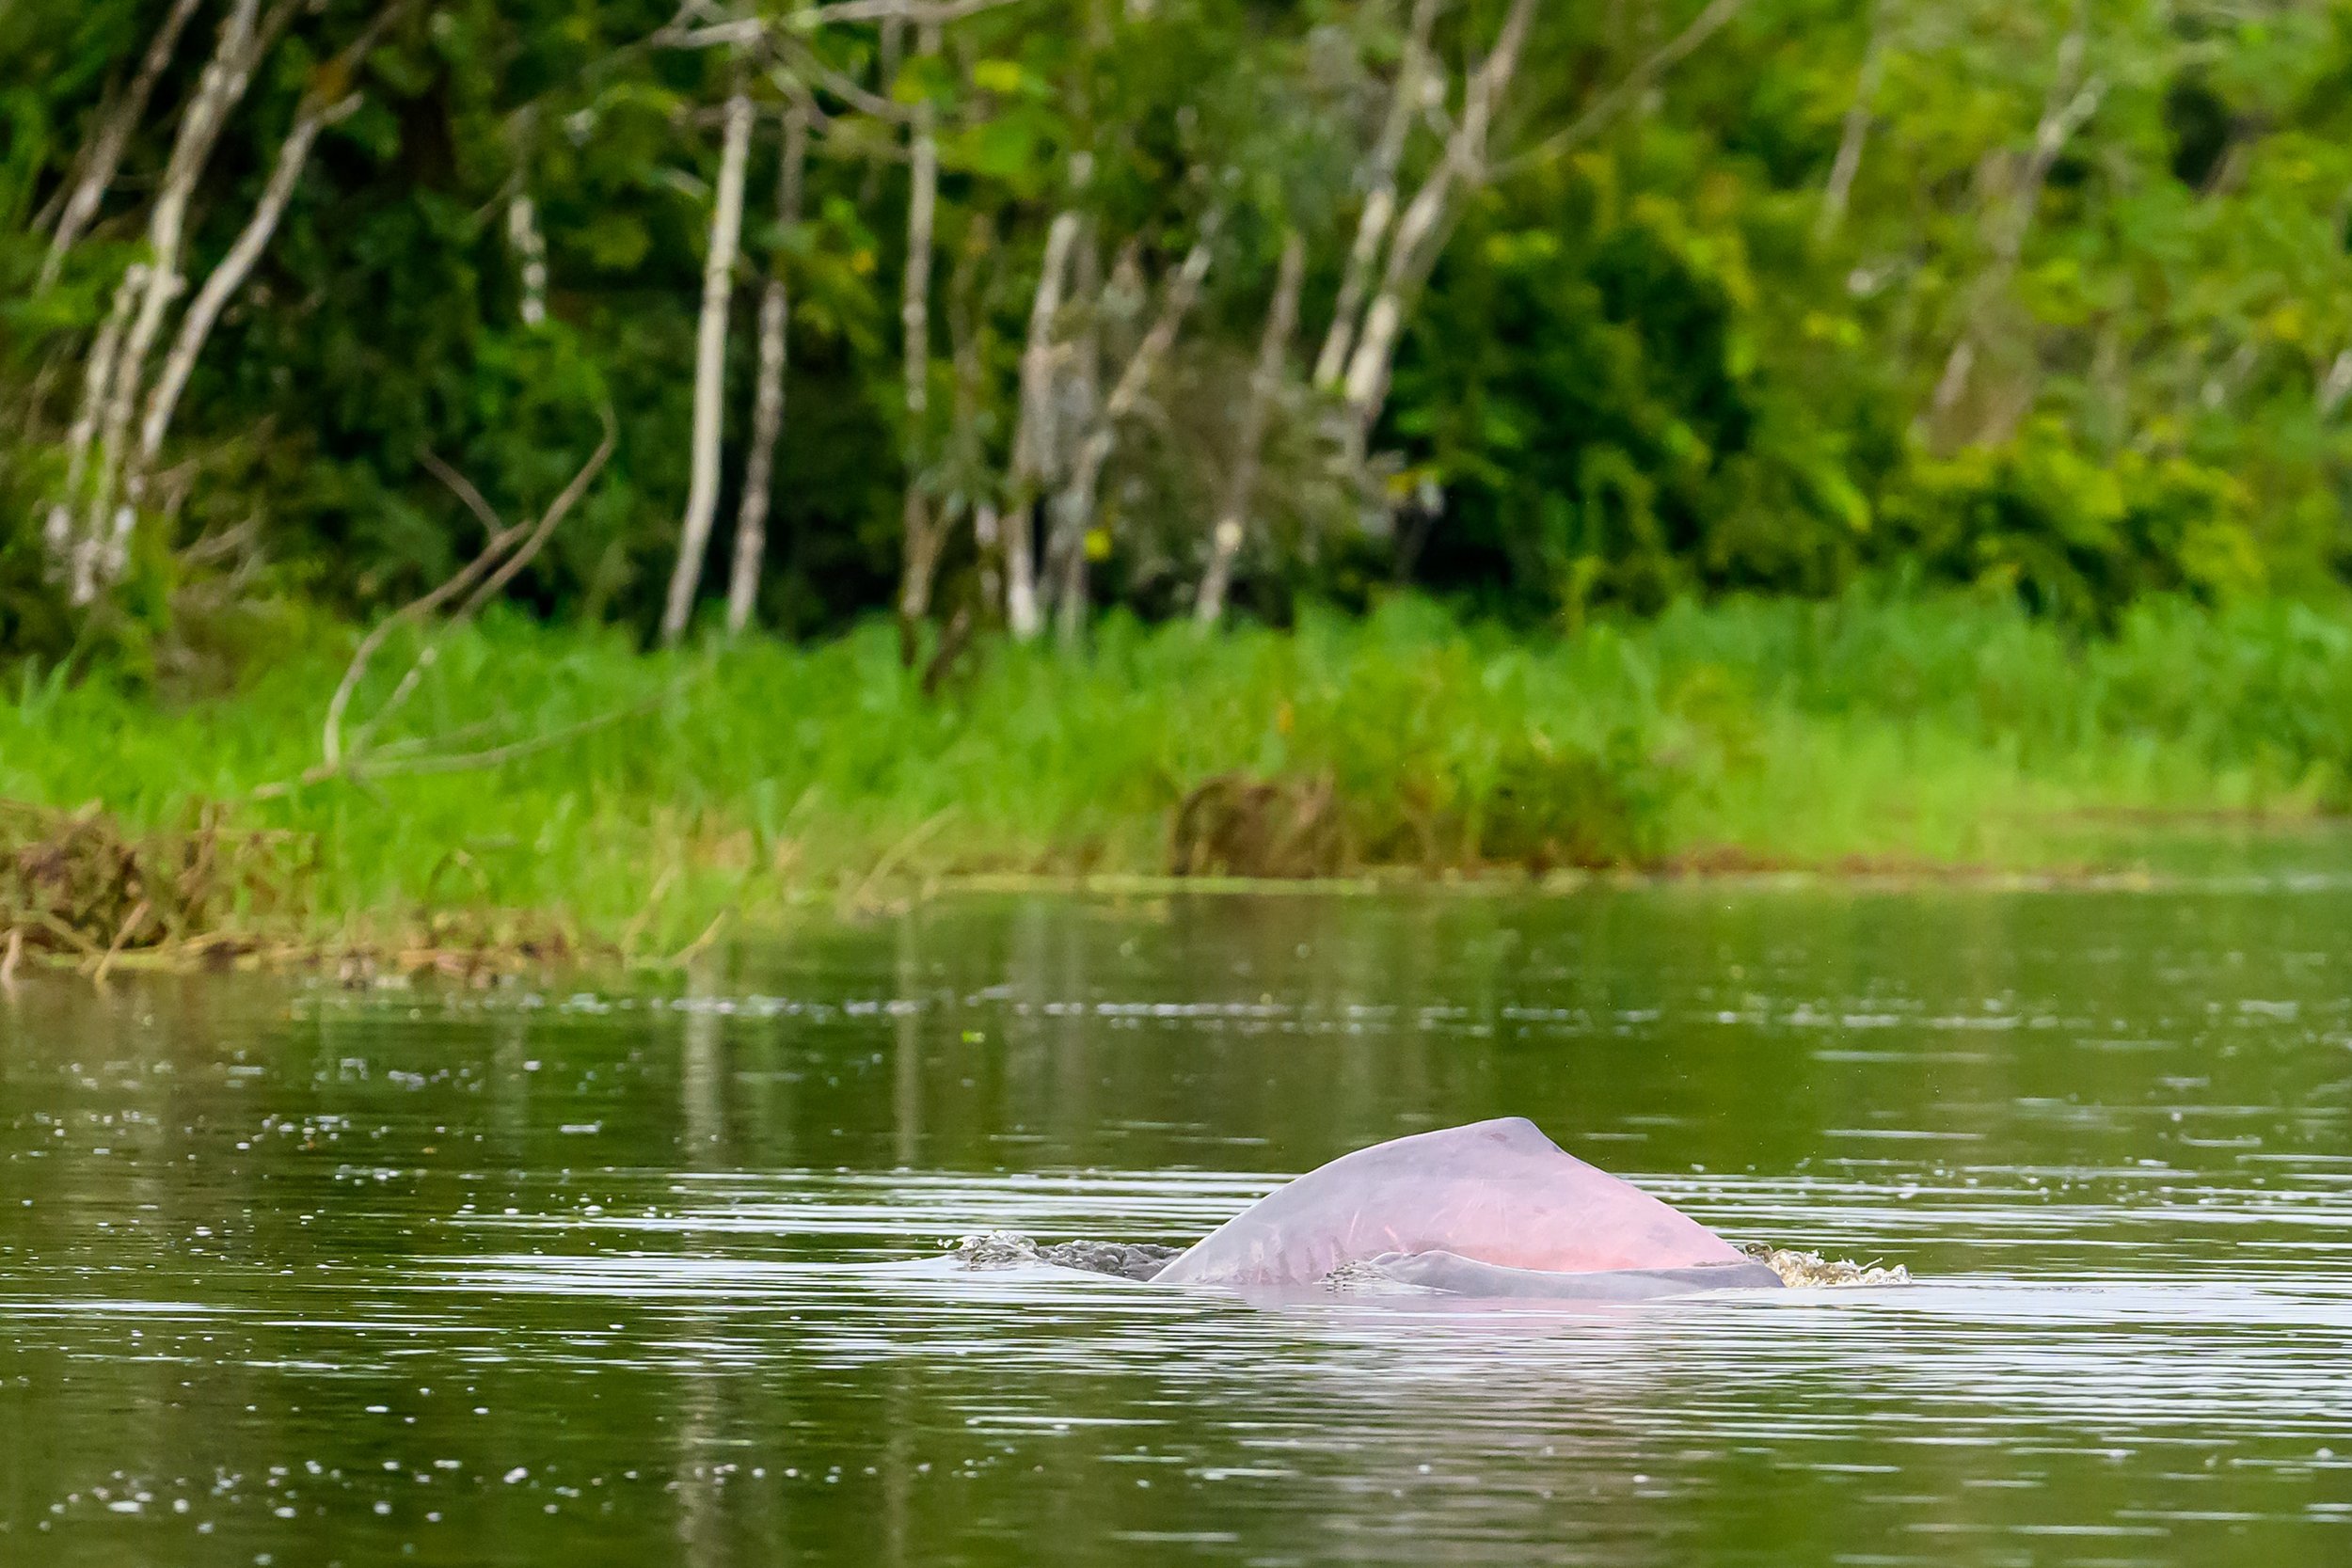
column 76, row 884
column 79, row 890
column 1236, row 826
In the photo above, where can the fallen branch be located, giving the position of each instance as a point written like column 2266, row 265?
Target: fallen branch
column 509, row 550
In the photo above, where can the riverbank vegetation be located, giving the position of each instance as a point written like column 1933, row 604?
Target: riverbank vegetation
column 1661, row 433
column 563, row 788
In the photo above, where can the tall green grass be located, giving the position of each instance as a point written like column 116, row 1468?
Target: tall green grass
column 1929, row 731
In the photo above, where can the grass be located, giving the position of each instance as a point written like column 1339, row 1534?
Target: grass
column 1923, row 732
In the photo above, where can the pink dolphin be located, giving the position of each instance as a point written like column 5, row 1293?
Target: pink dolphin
column 1494, row 1209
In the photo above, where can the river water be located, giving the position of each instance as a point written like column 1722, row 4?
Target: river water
column 570, row 1273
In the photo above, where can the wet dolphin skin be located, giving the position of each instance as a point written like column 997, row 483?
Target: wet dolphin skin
column 1464, row 1209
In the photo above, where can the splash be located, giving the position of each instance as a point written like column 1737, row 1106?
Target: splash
column 1810, row 1269
column 1010, row 1249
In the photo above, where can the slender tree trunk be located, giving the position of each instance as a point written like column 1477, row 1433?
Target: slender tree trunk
column 2068, row 106
column 244, row 39
column 1087, row 469
column 2335, row 385
column 524, row 237
column 77, row 567
column 1077, row 395
column 315, row 112
column 531, row 253
column 775, row 314
column 105, row 154
column 710, row 360
column 1838, row 193
column 1423, row 227
column 1372, row 225
column 968, row 454
column 1281, row 320
column 1034, row 456
column 921, row 541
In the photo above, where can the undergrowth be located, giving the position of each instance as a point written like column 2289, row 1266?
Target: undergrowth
column 642, row 797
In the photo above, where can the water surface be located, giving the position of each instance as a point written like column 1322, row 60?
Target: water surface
column 577, row 1274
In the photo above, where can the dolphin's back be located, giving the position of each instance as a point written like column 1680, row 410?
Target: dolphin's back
column 1494, row 1192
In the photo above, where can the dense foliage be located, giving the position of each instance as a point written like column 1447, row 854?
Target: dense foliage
column 2052, row 297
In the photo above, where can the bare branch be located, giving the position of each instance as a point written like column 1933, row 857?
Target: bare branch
column 557, row 511
column 1848, row 164
column 1596, row 118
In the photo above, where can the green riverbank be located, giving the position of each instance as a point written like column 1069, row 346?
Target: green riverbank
column 537, row 788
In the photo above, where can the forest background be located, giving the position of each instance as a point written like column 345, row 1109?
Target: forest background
column 627, row 461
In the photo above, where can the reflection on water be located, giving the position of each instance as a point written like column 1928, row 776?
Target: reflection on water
column 292, row 1275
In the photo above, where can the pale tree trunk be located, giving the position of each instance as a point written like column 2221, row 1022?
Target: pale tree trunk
column 710, row 363
column 105, row 154
column 967, row 340
column 1372, row 225
column 775, row 315
column 244, row 37
column 1034, row 454
column 1241, row 484
column 1078, row 400
column 524, row 237
column 2335, row 385
column 315, row 112
column 2068, row 106
column 57, row 533
column 1838, row 193
column 1421, row 229
column 921, row 538
column 531, row 254
column 221, row 286
column 1087, row 467
column 1420, row 233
